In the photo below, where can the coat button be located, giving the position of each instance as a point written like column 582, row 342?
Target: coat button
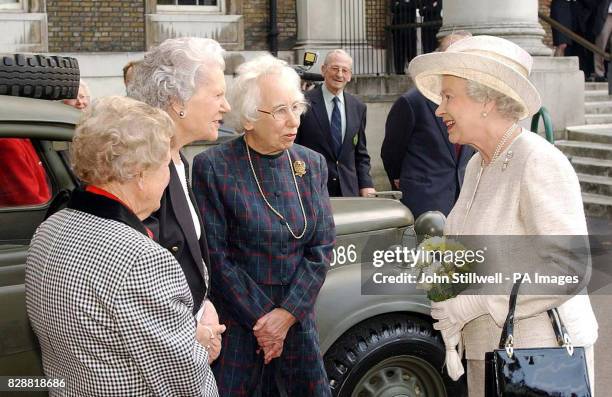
column 334, row 179
column 174, row 249
column 277, row 194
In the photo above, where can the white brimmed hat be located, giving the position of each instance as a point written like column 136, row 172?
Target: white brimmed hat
column 491, row 61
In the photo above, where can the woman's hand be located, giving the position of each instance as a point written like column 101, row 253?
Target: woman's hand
column 271, row 330
column 209, row 316
column 209, row 336
column 452, row 314
column 210, row 322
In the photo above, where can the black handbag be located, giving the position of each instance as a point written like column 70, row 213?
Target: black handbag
column 540, row 371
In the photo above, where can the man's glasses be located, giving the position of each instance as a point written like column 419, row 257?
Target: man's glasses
column 282, row 113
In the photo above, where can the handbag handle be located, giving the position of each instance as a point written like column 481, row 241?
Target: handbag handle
column 507, row 337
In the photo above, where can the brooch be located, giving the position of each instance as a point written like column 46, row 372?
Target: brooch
column 299, row 168
column 509, row 155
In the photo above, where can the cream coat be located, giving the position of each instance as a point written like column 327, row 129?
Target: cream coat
column 536, row 194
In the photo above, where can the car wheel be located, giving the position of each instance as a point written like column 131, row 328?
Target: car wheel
column 388, row 356
column 39, row 76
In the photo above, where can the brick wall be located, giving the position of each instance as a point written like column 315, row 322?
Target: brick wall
column 96, row 25
column 256, row 24
column 544, row 7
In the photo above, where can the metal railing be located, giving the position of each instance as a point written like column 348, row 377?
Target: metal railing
column 360, row 23
column 548, row 126
column 381, row 35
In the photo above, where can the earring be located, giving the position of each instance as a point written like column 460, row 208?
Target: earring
column 484, row 114
column 182, row 114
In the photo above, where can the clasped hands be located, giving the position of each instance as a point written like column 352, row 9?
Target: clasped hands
column 208, row 331
column 271, row 330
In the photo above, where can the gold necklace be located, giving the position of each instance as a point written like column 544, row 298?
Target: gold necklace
column 282, row 218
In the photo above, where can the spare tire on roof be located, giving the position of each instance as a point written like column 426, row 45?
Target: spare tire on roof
column 39, row 76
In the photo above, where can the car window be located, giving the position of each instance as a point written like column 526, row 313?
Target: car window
column 23, row 178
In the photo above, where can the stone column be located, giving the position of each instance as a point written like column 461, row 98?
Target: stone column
column 318, row 28
column 320, row 25
column 515, row 20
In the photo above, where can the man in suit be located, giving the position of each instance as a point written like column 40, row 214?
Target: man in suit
column 335, row 127
column 417, row 155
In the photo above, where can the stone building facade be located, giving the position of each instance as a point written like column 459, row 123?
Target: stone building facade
column 135, row 25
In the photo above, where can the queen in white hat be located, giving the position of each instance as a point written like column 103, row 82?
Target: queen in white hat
column 516, row 184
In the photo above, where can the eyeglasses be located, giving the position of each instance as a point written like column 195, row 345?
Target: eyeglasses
column 338, row 69
column 282, row 113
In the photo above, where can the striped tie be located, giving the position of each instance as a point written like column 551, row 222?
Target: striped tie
column 336, row 127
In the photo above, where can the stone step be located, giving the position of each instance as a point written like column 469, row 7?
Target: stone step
column 598, row 107
column 585, row 149
column 597, row 205
column 599, row 133
column 591, row 166
column 591, row 86
column 596, row 95
column 596, row 184
column 598, row 118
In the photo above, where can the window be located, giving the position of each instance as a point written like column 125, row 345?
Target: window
column 13, row 5
column 23, row 178
column 190, row 5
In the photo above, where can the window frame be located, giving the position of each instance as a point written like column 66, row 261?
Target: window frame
column 18, row 6
column 218, row 9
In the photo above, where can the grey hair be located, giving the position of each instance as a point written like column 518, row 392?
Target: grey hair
column 85, row 86
column 335, row 52
column 245, row 95
column 172, row 70
column 509, row 108
column 118, row 138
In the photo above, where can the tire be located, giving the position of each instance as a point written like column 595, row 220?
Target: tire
column 387, row 356
column 39, row 76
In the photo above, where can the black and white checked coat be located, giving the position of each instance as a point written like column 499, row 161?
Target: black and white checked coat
column 111, row 308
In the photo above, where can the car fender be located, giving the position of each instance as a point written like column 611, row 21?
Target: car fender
column 341, row 304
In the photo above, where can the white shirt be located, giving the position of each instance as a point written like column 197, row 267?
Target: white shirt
column 328, row 97
column 180, row 170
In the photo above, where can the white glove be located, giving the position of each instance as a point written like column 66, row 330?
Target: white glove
column 452, row 314
column 454, row 367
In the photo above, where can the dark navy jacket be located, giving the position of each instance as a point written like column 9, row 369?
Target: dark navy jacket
column 416, row 150
column 350, row 171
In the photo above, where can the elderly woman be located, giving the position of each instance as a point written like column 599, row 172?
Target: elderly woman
column 270, row 232
column 516, row 184
column 105, row 322
column 83, row 98
column 184, row 77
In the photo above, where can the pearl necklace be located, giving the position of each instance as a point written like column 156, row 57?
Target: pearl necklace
column 282, row 218
column 500, row 145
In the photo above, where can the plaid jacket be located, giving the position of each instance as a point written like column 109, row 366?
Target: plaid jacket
column 256, row 265
column 110, row 307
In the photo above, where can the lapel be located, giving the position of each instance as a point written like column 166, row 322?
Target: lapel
column 320, row 112
column 442, row 130
column 351, row 120
column 203, row 241
column 183, row 216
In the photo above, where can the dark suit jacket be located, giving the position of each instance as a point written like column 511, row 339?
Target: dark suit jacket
column 351, row 170
column 172, row 227
column 416, row 150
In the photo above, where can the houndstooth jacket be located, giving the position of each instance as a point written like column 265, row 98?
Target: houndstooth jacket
column 110, row 307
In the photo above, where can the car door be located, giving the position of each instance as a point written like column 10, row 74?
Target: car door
column 30, row 155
